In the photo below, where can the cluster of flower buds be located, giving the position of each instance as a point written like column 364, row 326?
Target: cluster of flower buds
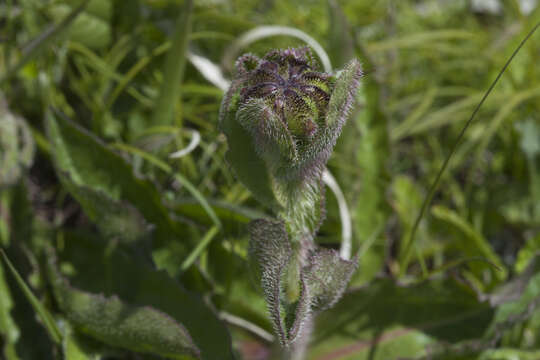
column 282, row 117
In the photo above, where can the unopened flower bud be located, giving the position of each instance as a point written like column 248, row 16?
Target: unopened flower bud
column 282, row 117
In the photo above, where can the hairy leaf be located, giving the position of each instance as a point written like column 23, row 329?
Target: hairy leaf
column 270, row 135
column 270, row 248
column 327, row 276
column 117, row 323
column 115, row 219
column 249, row 168
column 98, row 270
column 92, row 166
column 344, row 94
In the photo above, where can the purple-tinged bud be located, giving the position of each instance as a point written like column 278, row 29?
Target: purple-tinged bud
column 290, row 116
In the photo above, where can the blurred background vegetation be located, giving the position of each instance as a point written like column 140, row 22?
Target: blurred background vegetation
column 95, row 98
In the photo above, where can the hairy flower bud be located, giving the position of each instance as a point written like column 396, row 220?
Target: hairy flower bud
column 282, row 117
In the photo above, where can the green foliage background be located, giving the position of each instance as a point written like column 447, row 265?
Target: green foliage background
column 115, row 250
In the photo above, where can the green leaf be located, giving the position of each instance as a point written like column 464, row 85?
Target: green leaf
column 16, row 146
column 97, row 172
column 26, row 233
column 43, row 41
column 344, row 95
column 371, row 152
column 248, row 167
column 114, row 322
column 474, row 243
column 43, row 313
column 395, row 343
column 517, row 299
column 406, row 201
column 527, row 253
column 102, row 9
column 8, row 329
column 90, row 30
column 271, row 137
column 509, row 354
column 327, row 276
column 414, row 315
column 341, row 42
column 180, row 178
column 270, row 248
column 122, row 282
column 74, row 347
column 115, row 219
column 173, row 73
column 233, row 217
column 530, row 137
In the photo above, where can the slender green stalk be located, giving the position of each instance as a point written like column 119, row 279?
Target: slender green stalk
column 173, row 74
column 181, row 179
column 203, row 244
column 427, row 201
column 46, row 317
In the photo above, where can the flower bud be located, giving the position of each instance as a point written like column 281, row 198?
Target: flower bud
column 282, row 117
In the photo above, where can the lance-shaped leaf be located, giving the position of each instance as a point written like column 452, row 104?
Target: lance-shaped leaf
column 342, row 99
column 43, row 313
column 270, row 135
column 106, row 281
column 91, row 165
column 247, row 165
column 91, row 28
column 114, row 322
column 300, row 313
column 327, row 276
column 339, row 108
column 271, row 249
column 116, row 219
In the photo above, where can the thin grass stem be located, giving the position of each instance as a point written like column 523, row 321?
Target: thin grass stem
column 427, row 201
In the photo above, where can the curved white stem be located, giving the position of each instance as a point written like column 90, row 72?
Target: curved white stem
column 209, row 70
column 195, row 140
column 262, row 32
column 244, row 324
column 346, row 228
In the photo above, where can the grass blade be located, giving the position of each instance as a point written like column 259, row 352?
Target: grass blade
column 200, row 248
column 174, row 68
column 427, row 201
column 41, row 42
column 45, row 316
column 181, row 179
